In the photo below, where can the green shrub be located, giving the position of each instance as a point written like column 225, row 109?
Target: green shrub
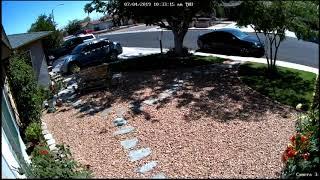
column 25, row 90
column 46, row 164
column 33, row 132
column 301, row 157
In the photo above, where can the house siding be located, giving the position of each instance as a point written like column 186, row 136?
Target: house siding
column 13, row 150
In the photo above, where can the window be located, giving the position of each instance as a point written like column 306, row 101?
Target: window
column 87, row 37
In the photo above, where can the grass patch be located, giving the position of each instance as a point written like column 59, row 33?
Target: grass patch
column 162, row 61
column 290, row 86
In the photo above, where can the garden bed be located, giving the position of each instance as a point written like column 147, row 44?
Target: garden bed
column 214, row 127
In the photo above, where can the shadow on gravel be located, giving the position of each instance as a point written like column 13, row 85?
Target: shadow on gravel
column 208, row 90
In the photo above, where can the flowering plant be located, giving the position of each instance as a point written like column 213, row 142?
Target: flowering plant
column 301, row 156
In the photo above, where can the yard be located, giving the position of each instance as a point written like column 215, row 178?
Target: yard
column 211, row 126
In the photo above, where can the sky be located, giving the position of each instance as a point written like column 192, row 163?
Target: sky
column 17, row 16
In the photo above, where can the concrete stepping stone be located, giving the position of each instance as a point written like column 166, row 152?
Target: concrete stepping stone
column 121, row 111
column 124, row 130
column 48, row 136
column 147, row 167
column 136, row 107
column 159, row 176
column 129, row 143
column 164, row 95
column 136, row 155
column 119, row 122
column 151, row 101
column 51, row 141
column 106, row 111
column 77, row 103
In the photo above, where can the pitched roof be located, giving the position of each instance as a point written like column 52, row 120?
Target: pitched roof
column 4, row 37
column 18, row 40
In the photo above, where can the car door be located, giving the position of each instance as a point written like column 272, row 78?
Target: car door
column 216, row 42
column 230, row 43
column 87, row 55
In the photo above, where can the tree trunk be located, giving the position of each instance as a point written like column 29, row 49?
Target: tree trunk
column 315, row 103
column 178, row 42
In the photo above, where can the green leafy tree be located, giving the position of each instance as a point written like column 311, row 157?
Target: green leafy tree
column 45, row 23
column 176, row 18
column 73, row 26
column 273, row 18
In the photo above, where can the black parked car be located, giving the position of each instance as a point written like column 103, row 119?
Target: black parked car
column 69, row 45
column 88, row 54
column 231, row 42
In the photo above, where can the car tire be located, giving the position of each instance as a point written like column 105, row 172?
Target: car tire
column 113, row 56
column 74, row 68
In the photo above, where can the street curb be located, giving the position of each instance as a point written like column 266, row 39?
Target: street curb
column 114, row 29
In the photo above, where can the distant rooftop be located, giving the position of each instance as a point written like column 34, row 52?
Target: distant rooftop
column 18, row 40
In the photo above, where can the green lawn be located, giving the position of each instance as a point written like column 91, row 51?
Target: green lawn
column 290, row 86
column 162, row 61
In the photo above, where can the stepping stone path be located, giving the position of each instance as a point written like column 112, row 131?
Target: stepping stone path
column 106, row 112
column 147, row 167
column 129, row 144
column 136, row 107
column 77, row 103
column 136, row 155
column 119, row 122
column 165, row 94
column 159, row 176
column 124, row 130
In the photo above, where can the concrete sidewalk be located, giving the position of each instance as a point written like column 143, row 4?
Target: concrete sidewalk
column 131, row 52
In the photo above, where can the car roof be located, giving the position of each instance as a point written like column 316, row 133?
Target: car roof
column 93, row 41
column 84, row 35
column 229, row 30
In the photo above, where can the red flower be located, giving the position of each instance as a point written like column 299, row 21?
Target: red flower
column 293, row 138
column 291, row 153
column 44, row 152
column 303, row 138
column 306, row 156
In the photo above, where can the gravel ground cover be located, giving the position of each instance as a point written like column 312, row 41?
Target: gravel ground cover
column 214, row 127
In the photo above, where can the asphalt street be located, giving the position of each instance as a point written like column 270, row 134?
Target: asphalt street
column 291, row 49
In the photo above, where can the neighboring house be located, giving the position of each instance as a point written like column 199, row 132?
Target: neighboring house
column 32, row 42
column 97, row 25
column 13, row 150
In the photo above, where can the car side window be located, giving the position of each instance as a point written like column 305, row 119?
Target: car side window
column 87, row 49
column 228, row 37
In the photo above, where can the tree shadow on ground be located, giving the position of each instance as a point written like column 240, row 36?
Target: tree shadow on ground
column 212, row 91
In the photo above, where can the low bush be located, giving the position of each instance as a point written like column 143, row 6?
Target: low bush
column 47, row 164
column 301, row 157
column 34, row 133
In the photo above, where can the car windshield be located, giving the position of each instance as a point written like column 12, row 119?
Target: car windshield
column 77, row 49
column 67, row 42
column 239, row 34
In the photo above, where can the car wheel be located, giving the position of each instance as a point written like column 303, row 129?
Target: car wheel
column 244, row 52
column 74, row 68
column 113, row 56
